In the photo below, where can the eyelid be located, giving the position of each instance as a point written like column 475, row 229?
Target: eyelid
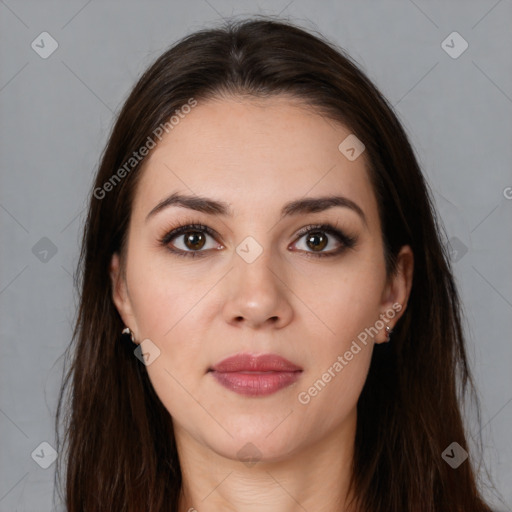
column 325, row 226
column 347, row 241
column 183, row 228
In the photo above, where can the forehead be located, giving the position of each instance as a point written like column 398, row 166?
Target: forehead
column 255, row 155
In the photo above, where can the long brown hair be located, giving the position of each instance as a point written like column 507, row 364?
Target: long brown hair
column 118, row 440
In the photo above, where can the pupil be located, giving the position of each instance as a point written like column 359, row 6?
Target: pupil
column 317, row 241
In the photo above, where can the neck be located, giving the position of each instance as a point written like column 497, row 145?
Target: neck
column 315, row 477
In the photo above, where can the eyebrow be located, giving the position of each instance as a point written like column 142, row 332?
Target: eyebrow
column 296, row 207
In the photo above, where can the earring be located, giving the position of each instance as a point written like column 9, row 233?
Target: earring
column 128, row 334
column 388, row 333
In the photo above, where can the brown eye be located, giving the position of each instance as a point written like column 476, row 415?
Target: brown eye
column 315, row 238
column 317, row 241
column 194, row 240
column 190, row 240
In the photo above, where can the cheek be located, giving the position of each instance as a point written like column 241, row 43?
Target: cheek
column 167, row 304
column 154, row 302
column 162, row 293
column 340, row 360
column 348, row 301
column 166, row 310
column 332, row 391
column 346, row 297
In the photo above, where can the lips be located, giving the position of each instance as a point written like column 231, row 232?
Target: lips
column 250, row 363
column 250, row 375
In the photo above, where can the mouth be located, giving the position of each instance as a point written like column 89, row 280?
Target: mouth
column 251, row 375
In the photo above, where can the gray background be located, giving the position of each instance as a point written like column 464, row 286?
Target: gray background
column 56, row 116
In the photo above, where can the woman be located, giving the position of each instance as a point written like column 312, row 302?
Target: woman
column 268, row 319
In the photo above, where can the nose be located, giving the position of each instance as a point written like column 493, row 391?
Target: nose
column 257, row 295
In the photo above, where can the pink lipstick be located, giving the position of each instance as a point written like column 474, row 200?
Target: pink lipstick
column 251, row 375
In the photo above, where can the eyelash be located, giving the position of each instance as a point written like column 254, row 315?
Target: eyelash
column 347, row 241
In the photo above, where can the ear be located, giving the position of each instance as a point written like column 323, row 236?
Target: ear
column 120, row 293
column 397, row 291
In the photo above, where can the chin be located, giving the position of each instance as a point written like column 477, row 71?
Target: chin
column 251, row 444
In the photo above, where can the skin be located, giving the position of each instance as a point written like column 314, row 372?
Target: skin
column 257, row 155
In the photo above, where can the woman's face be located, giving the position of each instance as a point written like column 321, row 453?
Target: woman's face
column 255, row 284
